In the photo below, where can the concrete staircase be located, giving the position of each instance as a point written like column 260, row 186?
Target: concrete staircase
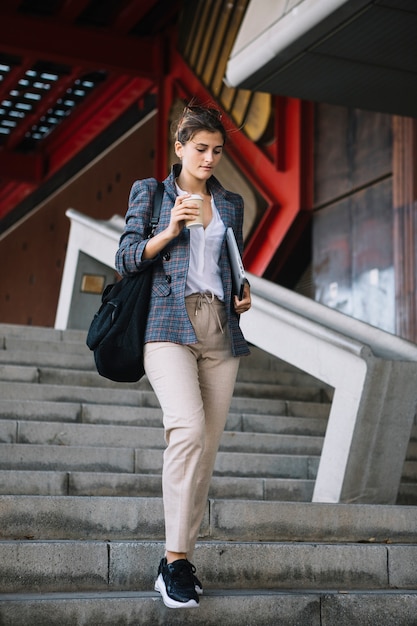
column 81, row 521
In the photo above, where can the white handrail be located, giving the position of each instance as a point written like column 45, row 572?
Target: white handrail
column 374, row 376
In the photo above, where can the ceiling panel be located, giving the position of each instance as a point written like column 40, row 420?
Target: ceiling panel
column 363, row 86
column 377, row 38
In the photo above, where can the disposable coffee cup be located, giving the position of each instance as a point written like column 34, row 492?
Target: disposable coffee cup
column 196, row 199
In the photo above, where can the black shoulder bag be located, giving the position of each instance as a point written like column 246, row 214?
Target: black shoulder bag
column 118, row 328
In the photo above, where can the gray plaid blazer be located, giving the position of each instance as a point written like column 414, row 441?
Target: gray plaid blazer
column 168, row 319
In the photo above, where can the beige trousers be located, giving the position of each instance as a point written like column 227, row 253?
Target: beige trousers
column 194, row 385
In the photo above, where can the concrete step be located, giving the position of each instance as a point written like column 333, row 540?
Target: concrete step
column 269, row 422
column 47, row 347
column 412, row 447
column 39, row 343
column 45, row 410
column 57, row 433
column 22, row 354
column 20, row 391
column 61, row 483
column 149, row 461
column 41, row 332
column 407, row 495
column 118, row 396
column 21, row 482
column 58, row 359
column 66, row 458
column 409, row 471
column 281, row 377
column 312, row 427
column 266, row 419
column 40, row 339
column 242, row 464
column 52, row 566
column 251, row 440
column 33, row 482
column 118, row 518
column 226, row 607
column 85, row 378
column 113, row 393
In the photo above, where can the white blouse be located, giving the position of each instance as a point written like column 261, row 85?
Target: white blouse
column 205, row 245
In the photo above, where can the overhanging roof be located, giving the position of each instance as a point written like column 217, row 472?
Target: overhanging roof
column 359, row 53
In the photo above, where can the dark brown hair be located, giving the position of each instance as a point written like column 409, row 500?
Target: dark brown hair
column 197, row 118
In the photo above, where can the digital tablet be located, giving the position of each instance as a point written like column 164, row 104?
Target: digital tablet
column 238, row 272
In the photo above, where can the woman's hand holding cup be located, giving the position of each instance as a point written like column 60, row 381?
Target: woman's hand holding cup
column 194, row 201
column 186, row 211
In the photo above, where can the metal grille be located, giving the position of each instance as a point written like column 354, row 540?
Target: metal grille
column 39, row 88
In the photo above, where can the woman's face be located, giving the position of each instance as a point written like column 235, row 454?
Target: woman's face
column 201, row 154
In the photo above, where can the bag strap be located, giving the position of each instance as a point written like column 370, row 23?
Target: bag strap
column 157, row 203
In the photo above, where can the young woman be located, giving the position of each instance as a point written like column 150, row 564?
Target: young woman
column 193, row 340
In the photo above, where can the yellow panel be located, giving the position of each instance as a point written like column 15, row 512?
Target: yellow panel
column 217, row 43
column 226, row 97
column 197, row 34
column 210, row 27
column 227, row 45
column 258, row 115
column 240, row 106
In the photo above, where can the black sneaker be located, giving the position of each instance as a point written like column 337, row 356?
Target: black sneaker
column 197, row 584
column 176, row 585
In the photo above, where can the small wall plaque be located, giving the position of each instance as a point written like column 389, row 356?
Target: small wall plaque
column 91, row 283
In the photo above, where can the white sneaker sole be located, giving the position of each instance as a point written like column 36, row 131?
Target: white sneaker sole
column 170, row 602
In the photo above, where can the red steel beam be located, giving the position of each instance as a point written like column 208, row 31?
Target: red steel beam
column 290, row 199
column 98, row 113
column 11, row 194
column 26, row 168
